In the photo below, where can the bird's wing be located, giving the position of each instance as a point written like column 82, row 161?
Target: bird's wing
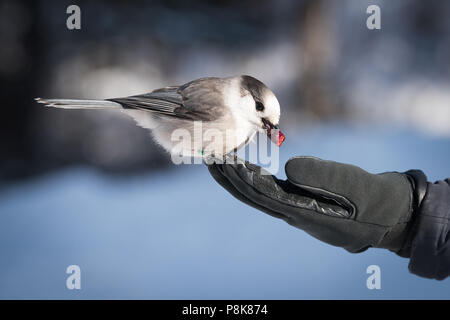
column 200, row 99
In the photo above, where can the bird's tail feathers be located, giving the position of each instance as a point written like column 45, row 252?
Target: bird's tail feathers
column 79, row 104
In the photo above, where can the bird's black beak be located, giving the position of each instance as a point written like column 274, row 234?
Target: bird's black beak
column 277, row 137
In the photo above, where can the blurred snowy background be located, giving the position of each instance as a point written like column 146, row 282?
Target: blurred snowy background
column 91, row 188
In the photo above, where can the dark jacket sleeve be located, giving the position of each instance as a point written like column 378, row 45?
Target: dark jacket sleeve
column 430, row 247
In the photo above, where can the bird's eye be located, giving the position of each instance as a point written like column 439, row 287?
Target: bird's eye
column 259, row 106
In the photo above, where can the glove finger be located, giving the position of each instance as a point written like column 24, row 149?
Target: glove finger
column 321, row 220
column 216, row 171
column 280, row 196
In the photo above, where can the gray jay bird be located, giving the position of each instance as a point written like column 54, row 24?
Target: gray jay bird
column 224, row 113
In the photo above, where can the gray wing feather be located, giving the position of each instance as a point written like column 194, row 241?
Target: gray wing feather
column 200, row 99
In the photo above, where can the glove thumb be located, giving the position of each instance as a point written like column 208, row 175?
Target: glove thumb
column 382, row 199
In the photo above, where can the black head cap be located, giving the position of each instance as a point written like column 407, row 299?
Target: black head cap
column 254, row 86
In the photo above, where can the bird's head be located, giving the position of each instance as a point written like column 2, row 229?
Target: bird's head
column 265, row 113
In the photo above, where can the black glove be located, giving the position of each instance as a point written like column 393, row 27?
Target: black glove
column 337, row 203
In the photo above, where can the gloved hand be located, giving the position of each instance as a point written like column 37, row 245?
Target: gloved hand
column 337, row 203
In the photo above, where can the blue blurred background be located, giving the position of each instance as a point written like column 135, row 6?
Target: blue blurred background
column 92, row 189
